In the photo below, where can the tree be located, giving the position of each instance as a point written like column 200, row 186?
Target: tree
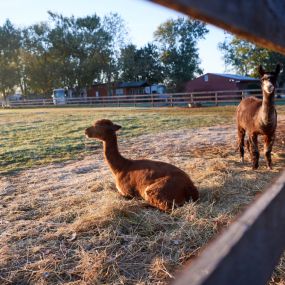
column 64, row 52
column 40, row 74
column 128, row 63
column 177, row 42
column 244, row 57
column 149, row 64
column 10, row 44
column 81, row 47
column 69, row 52
column 115, row 26
column 140, row 64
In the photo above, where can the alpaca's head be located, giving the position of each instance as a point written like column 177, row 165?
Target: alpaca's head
column 269, row 79
column 102, row 129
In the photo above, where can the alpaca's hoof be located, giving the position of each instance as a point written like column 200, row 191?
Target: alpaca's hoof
column 242, row 160
column 254, row 167
column 269, row 167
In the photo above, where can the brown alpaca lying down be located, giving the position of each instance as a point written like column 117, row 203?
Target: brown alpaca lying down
column 161, row 184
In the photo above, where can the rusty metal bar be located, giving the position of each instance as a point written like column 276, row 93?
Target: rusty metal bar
column 259, row 21
column 248, row 251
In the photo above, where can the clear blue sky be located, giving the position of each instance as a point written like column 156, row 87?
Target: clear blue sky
column 141, row 17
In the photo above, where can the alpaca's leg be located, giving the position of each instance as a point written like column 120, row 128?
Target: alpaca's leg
column 169, row 192
column 268, row 144
column 253, row 145
column 125, row 190
column 248, row 145
column 241, row 135
column 162, row 195
column 152, row 195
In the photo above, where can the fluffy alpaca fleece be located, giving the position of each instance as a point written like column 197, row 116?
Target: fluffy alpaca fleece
column 161, row 184
column 259, row 117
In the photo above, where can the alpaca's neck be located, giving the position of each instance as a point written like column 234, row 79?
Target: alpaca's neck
column 267, row 108
column 112, row 155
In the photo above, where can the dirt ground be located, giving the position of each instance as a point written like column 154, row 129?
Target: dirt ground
column 34, row 202
column 77, row 176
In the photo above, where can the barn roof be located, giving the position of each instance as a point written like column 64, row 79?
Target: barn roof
column 236, row 77
column 141, row 83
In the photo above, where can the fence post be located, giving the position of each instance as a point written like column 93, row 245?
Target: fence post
column 216, row 98
column 152, row 103
column 191, row 98
column 135, row 101
column 171, row 100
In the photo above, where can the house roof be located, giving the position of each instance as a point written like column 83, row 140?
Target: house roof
column 141, row 83
column 236, row 77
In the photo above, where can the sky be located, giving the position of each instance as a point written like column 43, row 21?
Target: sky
column 141, row 18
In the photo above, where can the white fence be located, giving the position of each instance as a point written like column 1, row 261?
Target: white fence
column 209, row 98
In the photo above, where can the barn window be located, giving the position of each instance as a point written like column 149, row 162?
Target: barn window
column 206, row 79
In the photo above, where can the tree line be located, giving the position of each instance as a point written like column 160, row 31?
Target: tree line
column 75, row 52
column 244, row 57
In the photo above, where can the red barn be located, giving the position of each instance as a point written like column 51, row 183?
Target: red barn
column 220, row 82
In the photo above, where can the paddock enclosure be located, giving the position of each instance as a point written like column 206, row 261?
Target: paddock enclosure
column 261, row 22
column 63, row 222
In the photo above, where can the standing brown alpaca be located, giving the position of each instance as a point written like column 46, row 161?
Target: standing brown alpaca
column 161, row 184
column 259, row 117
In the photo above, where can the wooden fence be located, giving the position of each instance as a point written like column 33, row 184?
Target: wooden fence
column 248, row 251
column 210, row 98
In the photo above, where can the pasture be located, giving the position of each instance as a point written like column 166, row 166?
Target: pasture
column 62, row 220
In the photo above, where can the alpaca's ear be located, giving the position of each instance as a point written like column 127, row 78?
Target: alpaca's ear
column 278, row 68
column 261, row 70
column 115, row 127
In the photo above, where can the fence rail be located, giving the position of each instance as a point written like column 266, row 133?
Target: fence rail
column 209, row 98
column 248, row 251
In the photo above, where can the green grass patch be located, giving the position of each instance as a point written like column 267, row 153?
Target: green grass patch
column 31, row 137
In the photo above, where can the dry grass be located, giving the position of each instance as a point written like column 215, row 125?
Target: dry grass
column 66, row 223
